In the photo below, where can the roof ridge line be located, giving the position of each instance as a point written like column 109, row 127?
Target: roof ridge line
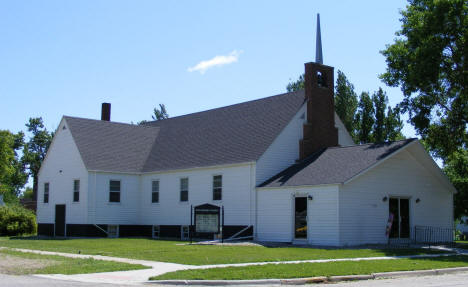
column 356, row 145
column 109, row 122
column 223, row 107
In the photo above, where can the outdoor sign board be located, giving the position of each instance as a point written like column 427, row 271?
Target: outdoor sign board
column 207, row 218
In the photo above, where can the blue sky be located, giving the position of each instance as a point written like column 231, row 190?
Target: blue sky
column 67, row 57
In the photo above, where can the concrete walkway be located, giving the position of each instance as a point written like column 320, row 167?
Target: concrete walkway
column 158, row 268
column 126, row 277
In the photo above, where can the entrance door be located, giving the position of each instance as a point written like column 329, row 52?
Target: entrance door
column 300, row 224
column 399, row 207
column 60, row 220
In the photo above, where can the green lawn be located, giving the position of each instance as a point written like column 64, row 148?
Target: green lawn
column 181, row 252
column 30, row 263
column 284, row 271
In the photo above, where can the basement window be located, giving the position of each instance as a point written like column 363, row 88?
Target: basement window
column 76, row 190
column 156, row 231
column 114, row 191
column 46, row 192
column 112, row 231
column 185, row 232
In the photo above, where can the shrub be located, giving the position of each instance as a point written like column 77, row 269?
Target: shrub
column 16, row 220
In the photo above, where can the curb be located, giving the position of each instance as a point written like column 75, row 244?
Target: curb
column 319, row 279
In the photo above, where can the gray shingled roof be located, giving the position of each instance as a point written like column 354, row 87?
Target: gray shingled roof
column 233, row 134
column 110, row 146
column 334, row 165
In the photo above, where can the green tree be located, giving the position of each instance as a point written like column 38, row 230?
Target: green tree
column 7, row 156
column 36, row 148
column 12, row 171
column 158, row 114
column 456, row 168
column 346, row 102
column 427, row 60
column 380, row 101
column 296, row 85
column 393, row 125
column 28, row 193
column 365, row 118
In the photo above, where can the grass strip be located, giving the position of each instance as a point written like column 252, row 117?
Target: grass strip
column 303, row 270
column 64, row 265
column 180, row 252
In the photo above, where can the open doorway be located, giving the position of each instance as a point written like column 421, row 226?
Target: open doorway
column 300, row 218
column 399, row 207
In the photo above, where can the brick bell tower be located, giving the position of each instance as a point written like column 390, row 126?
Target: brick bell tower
column 319, row 132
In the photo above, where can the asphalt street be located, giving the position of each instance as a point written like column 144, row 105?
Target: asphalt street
column 451, row 280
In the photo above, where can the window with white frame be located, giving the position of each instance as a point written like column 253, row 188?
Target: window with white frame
column 76, row 190
column 46, row 192
column 184, row 189
column 155, row 191
column 156, row 231
column 217, row 187
column 114, row 191
column 112, row 231
column 185, row 232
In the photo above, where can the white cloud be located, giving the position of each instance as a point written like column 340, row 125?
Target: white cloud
column 216, row 61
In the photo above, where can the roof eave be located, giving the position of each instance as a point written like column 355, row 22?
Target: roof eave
column 297, row 186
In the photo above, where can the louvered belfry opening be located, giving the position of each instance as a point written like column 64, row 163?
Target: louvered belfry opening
column 319, row 131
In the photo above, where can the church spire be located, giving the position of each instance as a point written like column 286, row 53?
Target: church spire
column 318, row 43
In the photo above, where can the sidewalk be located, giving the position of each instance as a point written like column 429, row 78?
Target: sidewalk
column 159, row 268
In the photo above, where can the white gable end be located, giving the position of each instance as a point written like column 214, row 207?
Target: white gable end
column 62, row 165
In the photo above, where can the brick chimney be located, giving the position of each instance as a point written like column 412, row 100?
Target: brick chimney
column 319, row 131
column 106, row 112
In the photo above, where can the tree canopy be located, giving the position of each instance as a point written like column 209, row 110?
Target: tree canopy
column 158, row 114
column 346, row 102
column 12, row 171
column 427, row 61
column 35, row 148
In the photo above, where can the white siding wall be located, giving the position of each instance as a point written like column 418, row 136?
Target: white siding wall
column 104, row 212
column 236, row 195
column 284, row 151
column 363, row 214
column 344, row 138
column 276, row 214
column 63, row 155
